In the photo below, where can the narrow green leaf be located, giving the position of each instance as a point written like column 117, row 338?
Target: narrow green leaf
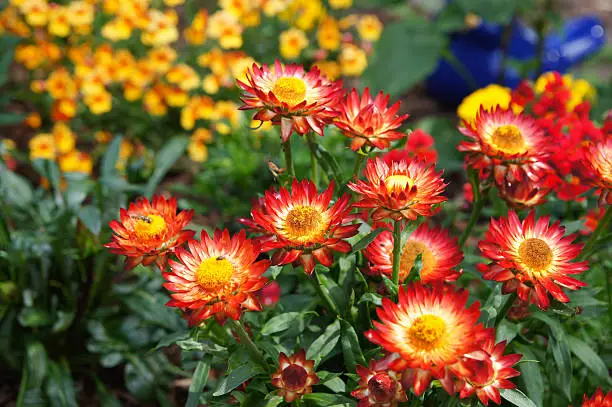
column 374, row 298
column 325, row 343
column 171, row 339
column 516, row 397
column 366, row 240
column 164, row 160
column 60, row 388
column 590, row 358
column 15, row 188
column 351, row 349
column 274, row 401
column 335, row 384
column 392, row 288
column 7, row 119
column 329, row 400
column 109, row 160
column 200, row 376
column 91, row 217
column 531, row 375
column 328, row 162
column 235, row 378
column 280, row 322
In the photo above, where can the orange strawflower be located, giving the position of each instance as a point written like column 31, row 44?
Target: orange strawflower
column 295, row 376
column 523, row 194
column 439, row 254
column 400, row 189
column 531, row 257
column 598, row 399
column 369, row 121
column 286, row 95
column 301, row 226
column 598, row 161
column 379, row 385
column 148, row 231
column 218, row 276
column 431, row 329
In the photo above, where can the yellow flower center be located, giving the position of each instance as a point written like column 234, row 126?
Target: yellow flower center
column 535, row 254
column 303, row 224
column 508, row 139
column 426, row 331
column 214, row 273
column 398, row 180
column 290, row 90
column 149, row 226
column 409, row 254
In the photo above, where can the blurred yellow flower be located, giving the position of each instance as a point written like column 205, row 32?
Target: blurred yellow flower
column 29, row 55
column 103, row 137
column 42, row 146
column 81, row 13
column 160, row 30
column 340, row 3
column 63, row 109
column 353, row 60
column 198, row 152
column 369, row 27
column 99, row 103
column 303, row 13
column 487, row 97
column 274, row 7
column 76, row 161
column 292, row 42
column 173, row 3
column 175, row 96
column 64, row 138
column 59, row 21
column 331, row 69
column 328, row 34
column 117, row 29
column 211, row 84
column 153, row 101
column 225, row 27
column 36, row 12
column 184, row 76
column 60, row 85
column 33, row 120
column 161, row 58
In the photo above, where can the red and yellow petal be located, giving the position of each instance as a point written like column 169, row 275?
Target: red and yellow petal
column 295, row 376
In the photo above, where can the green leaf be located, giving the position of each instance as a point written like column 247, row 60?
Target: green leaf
column 366, row 240
column 15, row 188
column 328, row 162
column 139, row 378
column 331, row 289
column 8, row 44
column 34, row 374
column 236, row 377
column 335, row 384
column 60, row 388
column 34, row 318
column 91, row 217
column 7, row 119
column 281, row 322
column 374, row 298
column 590, row 358
column 392, row 288
column 531, row 375
column 106, row 398
column 516, row 397
column 274, row 401
column 420, row 41
column 325, row 343
column 200, row 376
column 171, row 339
column 109, row 160
column 350, row 347
column 164, row 160
column 494, row 11
column 329, row 400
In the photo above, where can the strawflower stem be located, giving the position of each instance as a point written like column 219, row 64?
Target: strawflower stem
column 288, row 158
column 476, row 209
column 397, row 250
column 601, row 226
column 312, row 145
column 327, row 301
column 246, row 339
column 504, row 310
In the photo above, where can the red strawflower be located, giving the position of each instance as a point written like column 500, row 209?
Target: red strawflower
column 404, row 189
column 418, row 144
column 591, row 220
column 148, row 231
column 217, row 276
column 269, row 294
column 369, row 121
column 598, row 399
column 286, row 95
column 598, row 161
column 531, row 258
column 379, row 385
column 295, row 376
column 301, row 226
column 523, row 194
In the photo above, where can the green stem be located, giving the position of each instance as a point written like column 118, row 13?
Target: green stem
column 312, row 145
column 510, row 299
column 601, row 226
column 288, row 158
column 397, row 250
column 476, row 209
column 358, row 164
column 327, row 301
column 246, row 339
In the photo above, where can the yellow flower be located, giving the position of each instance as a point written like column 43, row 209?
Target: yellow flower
column 103, row 137
column 227, row 110
column 81, row 13
column 240, row 67
column 199, row 107
column 33, row 120
column 64, row 138
column 59, row 22
column 117, row 29
column 581, row 90
column 331, row 69
column 202, row 135
column 211, row 84
column 274, row 7
column 487, row 97
column 304, row 13
column 99, row 103
column 348, row 21
column 184, row 76
column 7, row 144
column 353, row 60
column 340, row 3
column 197, row 151
column 76, row 161
column 173, row 3
column 224, row 27
column 328, row 35
column 161, row 58
column 29, row 55
column 60, row 85
column 153, row 102
column 36, row 12
column 42, row 146
column 63, row 109
column 236, row 7
column 292, row 42
column 161, row 29
column 369, row 27
column 126, row 149
column 175, row 96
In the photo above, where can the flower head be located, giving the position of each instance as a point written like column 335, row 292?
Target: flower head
column 404, row 189
column 439, row 254
column 148, row 231
column 523, row 194
column 598, row 159
column 531, row 257
column 286, row 95
column 598, row 399
column 369, row 121
column 295, row 376
column 301, row 225
column 218, row 276
column 379, row 385
column 430, row 329
column 486, row 98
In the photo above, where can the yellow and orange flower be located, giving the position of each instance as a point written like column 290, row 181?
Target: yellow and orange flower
column 510, row 145
column 289, row 96
column 431, row 329
column 148, row 231
column 598, row 399
column 523, row 194
column 379, row 385
column 295, row 376
column 598, row 160
column 439, row 254
column 369, row 121
column 300, row 225
column 531, row 257
column 489, row 371
column 218, row 276
column 400, row 189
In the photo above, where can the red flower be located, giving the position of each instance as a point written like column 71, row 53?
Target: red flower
column 598, row 399
column 592, row 219
column 269, row 294
column 379, row 385
column 598, row 160
column 286, row 95
column 295, row 376
column 404, row 189
column 217, row 276
column 147, row 231
column 523, row 194
column 300, row 225
column 531, row 257
column 418, row 144
column 440, row 254
column 369, row 121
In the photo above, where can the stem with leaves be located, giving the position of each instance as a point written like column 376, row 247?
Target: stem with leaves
column 248, row 342
column 288, row 158
column 327, row 301
column 312, row 145
column 505, row 308
column 397, row 250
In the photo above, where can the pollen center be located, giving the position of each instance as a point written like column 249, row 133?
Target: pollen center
column 290, row 90
column 214, row 273
column 409, row 254
column 149, row 226
column 535, row 254
column 294, row 377
column 303, row 224
column 398, row 181
column 426, row 331
column 508, row 139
